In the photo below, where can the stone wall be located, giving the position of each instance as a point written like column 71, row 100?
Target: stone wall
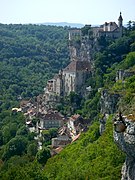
column 121, row 74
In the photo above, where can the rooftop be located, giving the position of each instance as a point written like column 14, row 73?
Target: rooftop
column 78, row 66
column 75, row 116
column 52, row 116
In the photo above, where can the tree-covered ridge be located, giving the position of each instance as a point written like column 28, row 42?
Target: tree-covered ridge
column 29, row 56
column 91, row 157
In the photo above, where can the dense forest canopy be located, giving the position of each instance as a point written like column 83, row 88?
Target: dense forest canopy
column 29, row 56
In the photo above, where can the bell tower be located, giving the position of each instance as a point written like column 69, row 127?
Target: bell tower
column 120, row 21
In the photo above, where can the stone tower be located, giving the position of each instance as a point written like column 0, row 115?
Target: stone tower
column 120, row 21
column 120, row 24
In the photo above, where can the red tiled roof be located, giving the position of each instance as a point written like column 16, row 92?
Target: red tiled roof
column 78, row 66
column 75, row 117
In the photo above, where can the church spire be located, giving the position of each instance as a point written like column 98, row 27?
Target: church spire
column 120, row 20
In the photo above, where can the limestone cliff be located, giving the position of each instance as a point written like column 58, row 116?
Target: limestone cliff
column 108, row 104
column 126, row 141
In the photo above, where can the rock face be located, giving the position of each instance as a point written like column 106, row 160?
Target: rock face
column 102, row 124
column 108, row 102
column 126, row 141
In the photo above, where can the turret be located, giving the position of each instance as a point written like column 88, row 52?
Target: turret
column 120, row 21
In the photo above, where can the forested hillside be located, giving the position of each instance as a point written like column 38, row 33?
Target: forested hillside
column 30, row 55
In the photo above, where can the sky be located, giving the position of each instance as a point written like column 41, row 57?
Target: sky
column 92, row 12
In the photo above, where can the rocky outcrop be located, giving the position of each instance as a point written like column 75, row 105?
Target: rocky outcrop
column 126, row 141
column 102, row 124
column 108, row 102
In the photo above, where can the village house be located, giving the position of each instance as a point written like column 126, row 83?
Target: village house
column 75, row 124
column 54, row 88
column 52, row 119
column 15, row 110
column 70, row 132
column 28, row 106
column 63, row 138
column 61, row 141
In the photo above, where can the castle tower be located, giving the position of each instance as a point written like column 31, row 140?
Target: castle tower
column 120, row 21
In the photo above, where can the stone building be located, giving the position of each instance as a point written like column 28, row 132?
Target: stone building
column 61, row 141
column 75, row 124
column 54, row 89
column 52, row 119
column 122, row 74
column 63, row 138
column 110, row 29
column 75, row 75
column 72, row 78
column 74, row 33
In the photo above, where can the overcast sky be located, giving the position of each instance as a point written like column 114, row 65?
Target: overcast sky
column 73, row 11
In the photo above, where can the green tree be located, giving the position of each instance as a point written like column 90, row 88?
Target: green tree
column 16, row 146
column 9, row 131
column 23, row 130
column 1, row 138
column 32, row 149
column 43, row 155
column 130, row 60
column 53, row 132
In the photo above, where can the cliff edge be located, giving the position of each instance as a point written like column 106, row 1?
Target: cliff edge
column 124, row 136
